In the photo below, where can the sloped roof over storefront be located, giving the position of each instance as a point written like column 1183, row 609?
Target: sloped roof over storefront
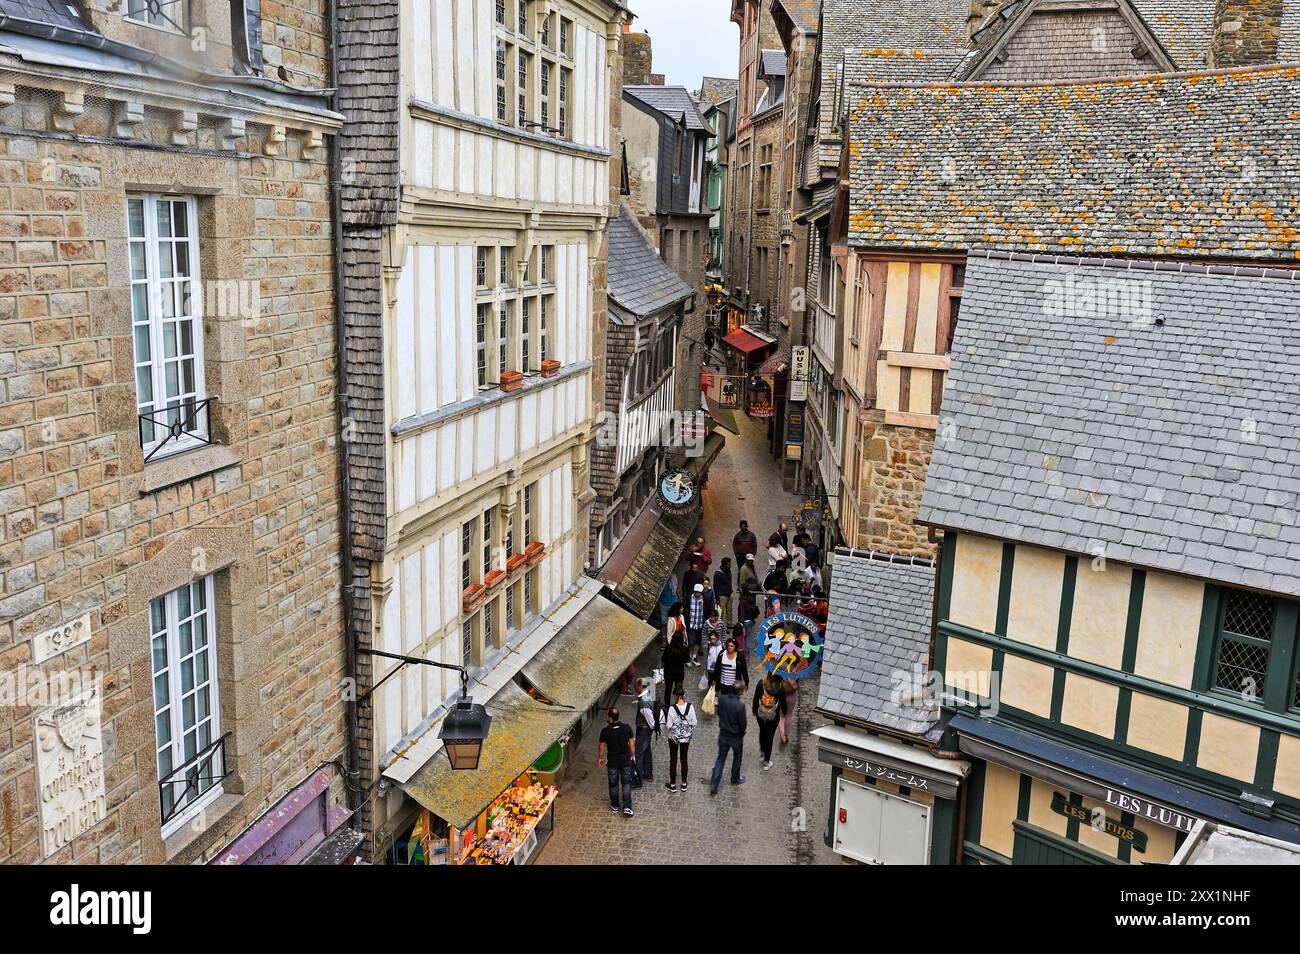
column 1190, row 165
column 48, row 12
column 877, row 634
column 639, row 281
column 1146, row 408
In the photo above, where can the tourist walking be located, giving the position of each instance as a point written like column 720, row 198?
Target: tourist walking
column 732, row 721
column 729, row 668
column 676, row 654
column 783, row 531
column 616, row 751
column 647, row 729
column 791, row 687
column 699, row 555
column 697, row 614
column 769, row 710
column 680, row 720
column 776, row 552
column 744, row 543
column 722, row 589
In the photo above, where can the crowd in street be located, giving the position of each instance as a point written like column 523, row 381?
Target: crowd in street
column 714, row 627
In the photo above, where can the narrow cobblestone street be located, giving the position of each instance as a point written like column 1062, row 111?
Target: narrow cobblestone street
column 777, row 816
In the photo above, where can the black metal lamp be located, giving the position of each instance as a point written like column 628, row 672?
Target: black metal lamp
column 464, row 728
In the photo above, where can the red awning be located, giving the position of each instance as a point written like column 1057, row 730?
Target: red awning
column 745, row 341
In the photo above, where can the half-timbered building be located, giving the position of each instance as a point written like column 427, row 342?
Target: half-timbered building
column 1117, row 594
column 476, row 184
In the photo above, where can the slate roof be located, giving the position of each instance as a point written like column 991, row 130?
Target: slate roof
column 866, row 67
column 773, row 63
column 717, row 89
column 639, row 281
column 48, row 12
column 882, row 25
column 675, row 102
column 1192, row 165
column 1082, row 421
column 877, row 633
column 803, row 13
column 1183, row 27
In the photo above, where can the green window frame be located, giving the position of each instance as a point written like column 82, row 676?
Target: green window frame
column 1254, row 657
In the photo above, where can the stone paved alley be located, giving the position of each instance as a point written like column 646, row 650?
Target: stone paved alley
column 755, row 823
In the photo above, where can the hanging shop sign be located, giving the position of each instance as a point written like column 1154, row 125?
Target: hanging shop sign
column 730, row 390
column 794, row 434
column 1098, row 820
column 70, row 771
column 792, row 644
column 760, row 399
column 799, row 373
column 677, row 490
column 813, row 514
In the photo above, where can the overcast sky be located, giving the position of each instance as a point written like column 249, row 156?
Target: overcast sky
column 690, row 38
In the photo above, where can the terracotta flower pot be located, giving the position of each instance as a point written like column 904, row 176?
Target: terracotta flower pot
column 512, row 380
column 550, row 368
column 536, row 550
column 472, row 597
column 493, row 578
column 515, row 564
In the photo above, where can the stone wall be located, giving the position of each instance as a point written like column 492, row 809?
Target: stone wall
column 89, row 527
column 1246, row 32
column 637, row 59
column 894, row 464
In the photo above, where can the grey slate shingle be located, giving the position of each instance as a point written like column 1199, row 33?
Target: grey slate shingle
column 49, row 12
column 675, row 102
column 877, row 634
column 1075, row 385
column 639, row 281
column 1197, row 166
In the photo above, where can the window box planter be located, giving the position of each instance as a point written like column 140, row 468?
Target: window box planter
column 493, row 578
column 536, row 550
column 512, row 381
column 515, row 564
column 550, row 368
column 472, row 597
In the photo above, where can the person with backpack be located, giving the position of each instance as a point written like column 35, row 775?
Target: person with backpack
column 681, row 721
column 768, row 709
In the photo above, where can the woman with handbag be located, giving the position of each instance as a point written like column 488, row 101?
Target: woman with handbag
column 729, row 669
column 680, row 721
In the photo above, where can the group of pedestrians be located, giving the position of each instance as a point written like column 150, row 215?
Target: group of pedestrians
column 709, row 630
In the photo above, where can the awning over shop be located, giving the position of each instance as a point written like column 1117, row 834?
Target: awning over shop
column 645, row 568
column 1129, row 789
column 746, row 340
column 571, row 672
column 880, row 757
column 723, row 417
column 774, row 365
column 713, row 444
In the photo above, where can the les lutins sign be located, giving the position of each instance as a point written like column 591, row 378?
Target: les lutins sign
column 1097, row 820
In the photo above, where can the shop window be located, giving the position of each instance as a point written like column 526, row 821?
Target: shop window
column 1244, row 643
column 167, row 323
column 187, row 710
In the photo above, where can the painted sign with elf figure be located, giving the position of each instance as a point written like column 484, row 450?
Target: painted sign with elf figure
column 789, row 645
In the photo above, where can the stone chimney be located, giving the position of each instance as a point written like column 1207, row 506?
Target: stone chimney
column 1245, row 32
column 980, row 10
column 636, row 59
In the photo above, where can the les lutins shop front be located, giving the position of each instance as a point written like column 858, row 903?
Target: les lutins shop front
column 502, row 811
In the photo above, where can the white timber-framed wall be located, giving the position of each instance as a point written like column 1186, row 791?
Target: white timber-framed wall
column 496, row 217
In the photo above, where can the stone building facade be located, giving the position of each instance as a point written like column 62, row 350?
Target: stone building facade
column 168, row 435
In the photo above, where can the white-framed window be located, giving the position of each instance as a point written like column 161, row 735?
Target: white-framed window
column 187, row 710
column 513, row 310
column 167, row 322
column 163, row 14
